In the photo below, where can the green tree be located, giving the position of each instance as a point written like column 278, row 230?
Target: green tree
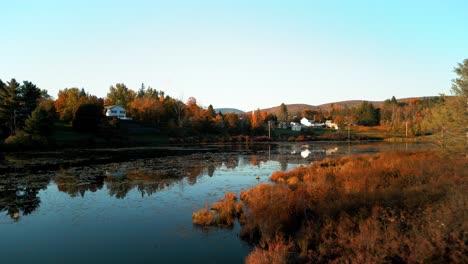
column 283, row 113
column 211, row 112
column 368, row 115
column 29, row 96
column 449, row 120
column 120, row 95
column 9, row 106
column 40, row 122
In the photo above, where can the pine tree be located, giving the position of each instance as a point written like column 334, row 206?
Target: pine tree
column 9, row 105
column 39, row 122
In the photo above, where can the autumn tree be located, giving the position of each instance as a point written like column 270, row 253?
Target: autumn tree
column 70, row 99
column 233, row 123
column 309, row 113
column 67, row 103
column 256, row 118
column 147, row 109
column 175, row 110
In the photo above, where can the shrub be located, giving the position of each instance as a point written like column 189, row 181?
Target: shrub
column 204, row 217
column 276, row 251
column 222, row 213
column 23, row 140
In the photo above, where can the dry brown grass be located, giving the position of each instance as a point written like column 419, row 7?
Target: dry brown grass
column 388, row 207
column 276, row 251
column 204, row 217
column 222, row 213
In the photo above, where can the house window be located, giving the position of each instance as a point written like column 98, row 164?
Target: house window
column 113, row 111
column 122, row 112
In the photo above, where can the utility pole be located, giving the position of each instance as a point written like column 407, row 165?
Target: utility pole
column 269, row 129
column 349, row 138
column 406, row 128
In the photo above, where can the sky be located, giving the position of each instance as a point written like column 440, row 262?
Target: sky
column 242, row 54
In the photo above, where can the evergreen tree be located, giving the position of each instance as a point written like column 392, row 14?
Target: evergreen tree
column 29, row 97
column 283, row 113
column 449, row 120
column 39, row 123
column 368, row 115
column 9, row 105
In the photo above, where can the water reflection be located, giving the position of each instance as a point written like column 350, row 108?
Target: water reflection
column 19, row 192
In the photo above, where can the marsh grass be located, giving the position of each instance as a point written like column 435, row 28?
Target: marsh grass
column 398, row 206
column 222, row 213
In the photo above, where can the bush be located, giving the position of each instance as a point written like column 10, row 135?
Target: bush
column 222, row 213
column 204, row 217
column 23, row 140
column 87, row 118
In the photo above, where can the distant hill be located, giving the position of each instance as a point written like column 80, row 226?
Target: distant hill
column 350, row 103
column 294, row 108
column 228, row 110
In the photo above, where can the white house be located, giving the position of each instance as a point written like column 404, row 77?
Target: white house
column 310, row 123
column 295, row 126
column 115, row 110
column 330, row 124
column 307, row 122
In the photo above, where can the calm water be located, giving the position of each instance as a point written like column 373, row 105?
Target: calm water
column 136, row 205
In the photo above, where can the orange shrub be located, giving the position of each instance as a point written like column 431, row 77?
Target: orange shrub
column 204, row 217
column 275, row 251
column 222, row 213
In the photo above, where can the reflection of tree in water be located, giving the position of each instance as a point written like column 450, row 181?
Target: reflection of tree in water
column 283, row 160
column 231, row 162
column 147, row 176
column 146, row 182
column 19, row 193
column 253, row 160
column 67, row 182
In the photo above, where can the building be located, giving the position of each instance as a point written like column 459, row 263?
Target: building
column 116, row 110
column 330, row 124
column 295, row 126
column 310, row 123
column 307, row 122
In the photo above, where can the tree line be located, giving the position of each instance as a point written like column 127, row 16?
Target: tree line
column 28, row 113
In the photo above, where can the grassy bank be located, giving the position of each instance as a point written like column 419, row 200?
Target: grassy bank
column 393, row 207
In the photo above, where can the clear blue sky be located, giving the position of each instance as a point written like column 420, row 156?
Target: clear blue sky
column 244, row 54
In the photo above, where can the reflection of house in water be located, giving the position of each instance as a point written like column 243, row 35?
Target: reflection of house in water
column 306, row 150
column 331, row 150
column 305, row 153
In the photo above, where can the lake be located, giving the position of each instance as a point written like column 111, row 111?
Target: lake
column 135, row 205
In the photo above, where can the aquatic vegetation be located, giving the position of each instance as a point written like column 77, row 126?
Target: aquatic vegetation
column 222, row 213
column 204, row 217
column 397, row 206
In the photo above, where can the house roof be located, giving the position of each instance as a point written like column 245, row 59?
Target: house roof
column 111, row 106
